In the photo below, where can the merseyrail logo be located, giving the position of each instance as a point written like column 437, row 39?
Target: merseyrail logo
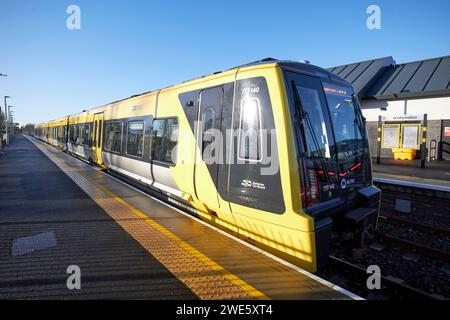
column 253, row 184
column 345, row 183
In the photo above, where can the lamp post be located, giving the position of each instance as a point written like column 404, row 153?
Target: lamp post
column 1, row 131
column 6, row 119
column 10, row 119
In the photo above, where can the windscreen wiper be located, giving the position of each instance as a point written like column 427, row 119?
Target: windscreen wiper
column 298, row 106
column 359, row 122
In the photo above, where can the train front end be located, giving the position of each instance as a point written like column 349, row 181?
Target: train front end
column 333, row 158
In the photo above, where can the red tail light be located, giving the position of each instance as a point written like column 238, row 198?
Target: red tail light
column 310, row 192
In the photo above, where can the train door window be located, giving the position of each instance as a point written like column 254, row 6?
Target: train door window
column 164, row 140
column 85, row 134
column 80, row 134
column 250, row 130
column 208, row 124
column 75, row 136
column 113, row 137
column 100, row 131
column 94, row 134
column 135, row 138
column 71, row 134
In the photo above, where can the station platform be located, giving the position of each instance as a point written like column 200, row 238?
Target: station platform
column 57, row 211
column 435, row 176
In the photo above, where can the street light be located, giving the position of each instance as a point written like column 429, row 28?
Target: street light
column 11, row 123
column 9, row 114
column 6, row 119
column 1, row 131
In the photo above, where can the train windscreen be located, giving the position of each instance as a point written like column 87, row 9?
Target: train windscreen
column 334, row 156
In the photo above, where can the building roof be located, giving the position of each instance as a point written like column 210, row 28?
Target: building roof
column 418, row 79
column 362, row 75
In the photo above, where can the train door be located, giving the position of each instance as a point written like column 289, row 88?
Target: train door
column 97, row 138
column 207, row 153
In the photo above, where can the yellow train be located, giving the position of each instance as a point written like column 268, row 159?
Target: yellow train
column 273, row 151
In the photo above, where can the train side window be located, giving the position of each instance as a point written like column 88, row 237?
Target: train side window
column 250, row 130
column 164, row 140
column 85, row 134
column 135, row 138
column 113, row 137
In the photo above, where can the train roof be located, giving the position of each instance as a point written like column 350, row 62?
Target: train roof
column 301, row 66
column 305, row 67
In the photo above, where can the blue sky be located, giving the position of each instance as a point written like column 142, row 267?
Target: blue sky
column 128, row 47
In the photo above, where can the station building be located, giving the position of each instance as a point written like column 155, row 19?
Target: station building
column 402, row 94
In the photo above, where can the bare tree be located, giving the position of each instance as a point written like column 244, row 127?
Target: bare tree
column 28, row 128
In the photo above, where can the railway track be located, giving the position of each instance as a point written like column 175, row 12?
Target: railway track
column 423, row 239
column 413, row 249
column 354, row 277
column 426, row 227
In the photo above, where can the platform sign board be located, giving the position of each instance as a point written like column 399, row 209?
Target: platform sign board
column 403, row 118
column 390, row 136
column 411, row 136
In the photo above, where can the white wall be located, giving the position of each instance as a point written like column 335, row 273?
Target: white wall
column 436, row 108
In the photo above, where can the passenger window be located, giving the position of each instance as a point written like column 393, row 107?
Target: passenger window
column 250, row 130
column 164, row 140
column 135, row 138
column 113, row 137
column 85, row 134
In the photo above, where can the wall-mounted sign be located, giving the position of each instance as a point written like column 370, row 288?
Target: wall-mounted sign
column 404, row 117
column 447, row 132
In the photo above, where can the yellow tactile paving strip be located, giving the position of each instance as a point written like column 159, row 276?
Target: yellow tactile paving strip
column 206, row 278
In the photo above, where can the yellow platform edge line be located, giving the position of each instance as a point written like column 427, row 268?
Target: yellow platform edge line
column 209, row 262
column 212, row 264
